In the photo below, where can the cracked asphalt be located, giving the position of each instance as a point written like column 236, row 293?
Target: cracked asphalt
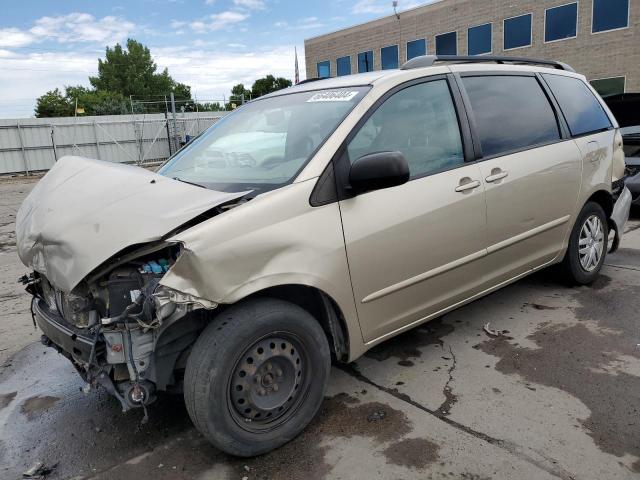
column 556, row 396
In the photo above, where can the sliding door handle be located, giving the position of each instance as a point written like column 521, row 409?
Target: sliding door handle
column 496, row 174
column 469, row 185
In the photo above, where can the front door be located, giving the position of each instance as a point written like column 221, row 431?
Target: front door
column 414, row 249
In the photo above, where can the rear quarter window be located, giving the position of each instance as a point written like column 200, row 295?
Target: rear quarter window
column 581, row 109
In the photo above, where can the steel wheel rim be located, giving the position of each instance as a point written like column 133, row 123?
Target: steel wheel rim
column 269, row 382
column 591, row 243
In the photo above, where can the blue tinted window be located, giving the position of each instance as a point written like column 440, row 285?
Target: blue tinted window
column 343, row 66
column 581, row 109
column 324, row 69
column 447, row 44
column 365, row 62
column 479, row 39
column 561, row 22
column 389, row 57
column 517, row 32
column 416, row 48
column 610, row 14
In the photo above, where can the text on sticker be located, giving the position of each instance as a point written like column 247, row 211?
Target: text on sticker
column 333, row 96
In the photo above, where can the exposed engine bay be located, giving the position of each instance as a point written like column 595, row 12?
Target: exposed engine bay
column 121, row 322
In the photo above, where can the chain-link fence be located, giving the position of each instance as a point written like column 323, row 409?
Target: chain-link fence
column 35, row 144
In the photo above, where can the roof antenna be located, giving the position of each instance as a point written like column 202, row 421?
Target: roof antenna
column 395, row 6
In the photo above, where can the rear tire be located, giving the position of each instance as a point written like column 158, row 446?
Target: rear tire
column 587, row 246
column 256, row 376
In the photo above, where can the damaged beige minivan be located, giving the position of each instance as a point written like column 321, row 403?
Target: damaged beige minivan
column 314, row 223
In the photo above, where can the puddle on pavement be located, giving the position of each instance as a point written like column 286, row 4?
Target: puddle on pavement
column 412, row 453
column 406, row 346
column 34, row 404
column 6, row 399
column 571, row 358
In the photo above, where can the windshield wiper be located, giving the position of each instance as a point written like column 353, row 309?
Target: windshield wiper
column 190, row 183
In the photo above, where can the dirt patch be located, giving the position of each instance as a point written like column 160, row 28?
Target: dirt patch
column 412, row 453
column 407, row 345
column 34, row 404
column 340, row 416
column 6, row 399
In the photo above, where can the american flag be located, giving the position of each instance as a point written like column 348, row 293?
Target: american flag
column 297, row 76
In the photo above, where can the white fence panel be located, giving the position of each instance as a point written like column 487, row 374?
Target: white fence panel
column 34, row 144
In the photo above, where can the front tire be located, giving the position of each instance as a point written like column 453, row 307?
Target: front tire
column 587, row 246
column 256, row 376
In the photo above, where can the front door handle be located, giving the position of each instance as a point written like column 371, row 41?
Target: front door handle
column 467, row 184
column 496, row 174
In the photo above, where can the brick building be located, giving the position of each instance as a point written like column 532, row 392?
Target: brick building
column 599, row 38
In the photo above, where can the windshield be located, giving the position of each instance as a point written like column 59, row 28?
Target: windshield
column 264, row 144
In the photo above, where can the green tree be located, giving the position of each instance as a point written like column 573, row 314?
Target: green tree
column 268, row 84
column 132, row 72
column 96, row 102
column 53, row 104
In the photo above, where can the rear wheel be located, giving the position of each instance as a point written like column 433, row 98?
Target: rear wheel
column 587, row 245
column 257, row 376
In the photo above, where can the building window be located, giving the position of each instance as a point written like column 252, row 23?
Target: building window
column 517, row 32
column 609, row 86
column 447, row 44
column 389, row 57
column 416, row 48
column 561, row 22
column 609, row 15
column 365, row 62
column 479, row 39
column 343, row 66
column 324, row 69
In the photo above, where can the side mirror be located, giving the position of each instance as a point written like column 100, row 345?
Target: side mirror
column 378, row 170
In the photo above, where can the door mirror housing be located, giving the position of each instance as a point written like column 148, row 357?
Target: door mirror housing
column 379, row 170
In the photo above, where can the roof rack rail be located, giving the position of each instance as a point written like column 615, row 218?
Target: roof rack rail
column 309, row 80
column 429, row 60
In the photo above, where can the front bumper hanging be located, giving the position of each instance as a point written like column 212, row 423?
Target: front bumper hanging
column 619, row 217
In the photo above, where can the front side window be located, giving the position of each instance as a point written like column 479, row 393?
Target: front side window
column 479, row 39
column 343, row 66
column 511, row 113
column 447, row 44
column 608, row 86
column 262, row 145
column 517, row 32
column 416, row 48
column 609, row 15
column 324, row 69
column 420, row 122
column 561, row 22
column 365, row 62
column 580, row 107
column 389, row 57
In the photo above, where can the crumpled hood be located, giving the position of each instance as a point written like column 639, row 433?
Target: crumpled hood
column 84, row 211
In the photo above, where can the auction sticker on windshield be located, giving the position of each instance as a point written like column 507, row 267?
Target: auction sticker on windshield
column 333, row 96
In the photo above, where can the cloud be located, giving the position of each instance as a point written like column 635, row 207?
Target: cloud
column 218, row 21
column 209, row 2
column 14, row 37
column 71, row 28
column 178, row 24
column 250, row 4
column 82, row 27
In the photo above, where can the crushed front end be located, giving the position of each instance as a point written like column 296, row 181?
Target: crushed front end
column 116, row 329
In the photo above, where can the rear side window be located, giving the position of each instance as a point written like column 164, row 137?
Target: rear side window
column 580, row 107
column 511, row 113
column 420, row 122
